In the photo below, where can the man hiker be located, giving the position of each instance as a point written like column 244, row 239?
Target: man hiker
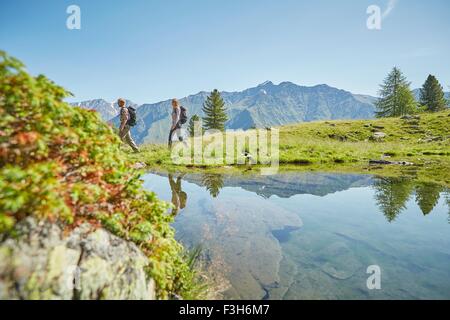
column 179, row 117
column 127, row 120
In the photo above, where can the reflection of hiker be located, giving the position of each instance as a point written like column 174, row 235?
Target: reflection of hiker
column 127, row 120
column 179, row 197
column 179, row 117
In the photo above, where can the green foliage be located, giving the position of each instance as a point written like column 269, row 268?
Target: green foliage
column 432, row 96
column 215, row 112
column 64, row 164
column 191, row 126
column 396, row 98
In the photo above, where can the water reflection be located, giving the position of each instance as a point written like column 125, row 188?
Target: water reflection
column 213, row 183
column 312, row 235
column 179, row 197
column 391, row 194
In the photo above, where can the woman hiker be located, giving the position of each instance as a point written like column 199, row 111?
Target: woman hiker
column 178, row 118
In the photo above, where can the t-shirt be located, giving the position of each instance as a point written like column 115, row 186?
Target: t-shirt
column 123, row 116
column 176, row 112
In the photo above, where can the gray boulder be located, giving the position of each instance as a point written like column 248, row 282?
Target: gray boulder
column 46, row 262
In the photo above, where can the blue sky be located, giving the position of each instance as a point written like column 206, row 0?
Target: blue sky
column 150, row 50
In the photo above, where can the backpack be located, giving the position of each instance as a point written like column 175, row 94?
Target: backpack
column 132, row 117
column 183, row 115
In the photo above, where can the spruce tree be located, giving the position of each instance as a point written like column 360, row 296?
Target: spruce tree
column 214, row 110
column 191, row 126
column 432, row 96
column 396, row 98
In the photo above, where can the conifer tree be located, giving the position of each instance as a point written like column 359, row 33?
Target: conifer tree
column 432, row 96
column 396, row 98
column 214, row 110
column 191, row 126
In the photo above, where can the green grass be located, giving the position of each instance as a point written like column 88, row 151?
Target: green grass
column 352, row 141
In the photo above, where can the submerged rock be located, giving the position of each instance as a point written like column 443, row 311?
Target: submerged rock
column 44, row 262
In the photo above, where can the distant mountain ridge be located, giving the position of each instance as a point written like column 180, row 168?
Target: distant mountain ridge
column 107, row 110
column 262, row 106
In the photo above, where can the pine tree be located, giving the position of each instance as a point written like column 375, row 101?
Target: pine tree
column 215, row 112
column 432, row 95
column 191, row 126
column 427, row 196
column 396, row 98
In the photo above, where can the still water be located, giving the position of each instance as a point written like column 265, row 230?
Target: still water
column 313, row 235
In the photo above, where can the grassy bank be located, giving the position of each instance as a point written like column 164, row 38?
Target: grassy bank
column 347, row 146
column 425, row 137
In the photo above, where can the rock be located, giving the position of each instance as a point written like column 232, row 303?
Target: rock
column 430, row 139
column 139, row 165
column 378, row 127
column 386, row 162
column 46, row 263
column 338, row 137
column 410, row 117
column 379, row 135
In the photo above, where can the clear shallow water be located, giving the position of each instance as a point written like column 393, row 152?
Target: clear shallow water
column 312, row 235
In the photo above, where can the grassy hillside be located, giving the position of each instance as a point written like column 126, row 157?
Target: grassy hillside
column 348, row 145
column 418, row 139
column 265, row 105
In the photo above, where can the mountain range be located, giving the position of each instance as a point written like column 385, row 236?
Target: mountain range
column 262, row 106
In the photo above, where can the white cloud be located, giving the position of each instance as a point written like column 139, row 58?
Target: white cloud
column 390, row 7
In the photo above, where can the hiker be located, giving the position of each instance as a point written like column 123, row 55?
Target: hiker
column 179, row 197
column 127, row 120
column 179, row 117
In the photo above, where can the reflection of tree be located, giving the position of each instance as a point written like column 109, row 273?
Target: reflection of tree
column 391, row 195
column 427, row 196
column 179, row 197
column 213, row 183
column 447, row 199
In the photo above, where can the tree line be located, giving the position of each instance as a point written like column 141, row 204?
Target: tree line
column 397, row 99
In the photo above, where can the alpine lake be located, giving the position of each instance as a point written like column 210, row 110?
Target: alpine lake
column 312, row 235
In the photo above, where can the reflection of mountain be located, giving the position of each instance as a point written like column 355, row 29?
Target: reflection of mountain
column 286, row 185
column 391, row 194
column 107, row 110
